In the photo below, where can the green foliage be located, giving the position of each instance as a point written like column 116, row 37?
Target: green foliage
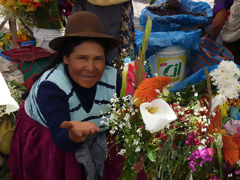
column 140, row 71
column 187, row 94
column 48, row 16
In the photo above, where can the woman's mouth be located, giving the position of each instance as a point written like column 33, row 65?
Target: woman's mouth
column 88, row 76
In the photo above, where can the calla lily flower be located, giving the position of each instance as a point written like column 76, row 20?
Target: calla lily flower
column 6, row 98
column 156, row 115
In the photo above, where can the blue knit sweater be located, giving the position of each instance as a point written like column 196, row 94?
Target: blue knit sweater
column 53, row 104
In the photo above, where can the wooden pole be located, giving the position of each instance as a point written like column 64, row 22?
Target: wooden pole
column 13, row 30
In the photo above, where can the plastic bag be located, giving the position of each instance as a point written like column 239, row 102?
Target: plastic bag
column 158, row 40
column 181, row 21
column 6, row 134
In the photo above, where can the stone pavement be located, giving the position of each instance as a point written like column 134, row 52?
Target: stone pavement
column 138, row 5
column 10, row 71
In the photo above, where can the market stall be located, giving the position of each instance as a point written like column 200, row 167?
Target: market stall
column 167, row 127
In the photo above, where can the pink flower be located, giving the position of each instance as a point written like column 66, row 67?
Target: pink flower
column 233, row 128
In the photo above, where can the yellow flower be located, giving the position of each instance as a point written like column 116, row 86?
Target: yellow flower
column 224, row 109
column 24, row 37
column 2, row 2
column 19, row 33
column 8, row 36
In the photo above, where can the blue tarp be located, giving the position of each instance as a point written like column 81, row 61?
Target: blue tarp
column 178, row 22
column 158, row 40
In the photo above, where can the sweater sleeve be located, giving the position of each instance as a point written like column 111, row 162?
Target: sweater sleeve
column 53, row 104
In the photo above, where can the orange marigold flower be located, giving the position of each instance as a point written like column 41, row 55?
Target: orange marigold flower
column 146, row 91
column 230, row 150
column 236, row 139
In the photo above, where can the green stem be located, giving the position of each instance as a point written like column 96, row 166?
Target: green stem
column 219, row 152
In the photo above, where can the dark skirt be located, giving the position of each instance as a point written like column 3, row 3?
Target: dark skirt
column 34, row 156
column 234, row 47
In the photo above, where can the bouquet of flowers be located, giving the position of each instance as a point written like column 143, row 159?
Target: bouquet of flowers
column 11, row 99
column 39, row 13
column 189, row 131
column 5, row 39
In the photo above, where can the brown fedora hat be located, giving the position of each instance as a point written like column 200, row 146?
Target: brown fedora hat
column 86, row 25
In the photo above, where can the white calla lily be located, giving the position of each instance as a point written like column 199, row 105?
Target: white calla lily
column 6, row 98
column 156, row 115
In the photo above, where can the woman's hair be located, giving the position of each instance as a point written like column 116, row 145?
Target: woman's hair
column 67, row 48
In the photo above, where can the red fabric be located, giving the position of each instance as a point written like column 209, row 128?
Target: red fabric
column 28, row 53
column 34, row 156
column 29, row 82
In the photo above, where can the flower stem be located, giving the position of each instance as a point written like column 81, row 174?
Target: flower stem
column 219, row 152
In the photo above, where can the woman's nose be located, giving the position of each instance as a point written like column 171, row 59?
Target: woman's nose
column 90, row 65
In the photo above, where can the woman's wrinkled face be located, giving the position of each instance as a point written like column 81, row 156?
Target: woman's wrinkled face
column 86, row 63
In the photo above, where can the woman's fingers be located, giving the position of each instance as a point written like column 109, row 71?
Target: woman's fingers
column 66, row 124
column 78, row 129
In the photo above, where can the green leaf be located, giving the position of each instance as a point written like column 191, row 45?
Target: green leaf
column 152, row 156
column 146, row 35
column 140, row 71
column 128, row 174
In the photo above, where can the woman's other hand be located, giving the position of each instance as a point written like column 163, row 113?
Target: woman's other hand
column 79, row 131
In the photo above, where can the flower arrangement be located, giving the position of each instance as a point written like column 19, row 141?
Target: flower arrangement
column 191, row 132
column 39, row 13
column 7, row 121
column 5, row 39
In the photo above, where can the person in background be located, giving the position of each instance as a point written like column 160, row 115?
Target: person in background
column 228, row 26
column 117, row 18
column 59, row 134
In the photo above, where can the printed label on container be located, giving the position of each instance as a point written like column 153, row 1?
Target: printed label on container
column 173, row 67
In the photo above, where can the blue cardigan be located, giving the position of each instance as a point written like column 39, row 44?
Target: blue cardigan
column 50, row 98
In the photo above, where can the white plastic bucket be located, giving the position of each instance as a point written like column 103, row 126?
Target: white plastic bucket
column 44, row 36
column 171, row 62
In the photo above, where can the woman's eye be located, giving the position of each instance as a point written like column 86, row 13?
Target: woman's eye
column 99, row 58
column 82, row 57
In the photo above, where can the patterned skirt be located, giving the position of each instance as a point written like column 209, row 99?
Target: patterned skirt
column 34, row 156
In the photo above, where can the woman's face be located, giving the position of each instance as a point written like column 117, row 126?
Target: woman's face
column 86, row 63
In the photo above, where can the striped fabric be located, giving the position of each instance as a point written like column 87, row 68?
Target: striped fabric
column 211, row 53
column 106, row 87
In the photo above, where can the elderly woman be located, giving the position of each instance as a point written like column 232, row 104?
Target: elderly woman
column 59, row 135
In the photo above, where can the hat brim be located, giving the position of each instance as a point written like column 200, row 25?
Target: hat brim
column 110, row 41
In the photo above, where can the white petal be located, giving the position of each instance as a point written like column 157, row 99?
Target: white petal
column 6, row 98
column 217, row 100
column 160, row 118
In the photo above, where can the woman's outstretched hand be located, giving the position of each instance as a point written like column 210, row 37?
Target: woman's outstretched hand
column 79, row 131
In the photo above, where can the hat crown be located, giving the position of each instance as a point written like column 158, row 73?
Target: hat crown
column 83, row 22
